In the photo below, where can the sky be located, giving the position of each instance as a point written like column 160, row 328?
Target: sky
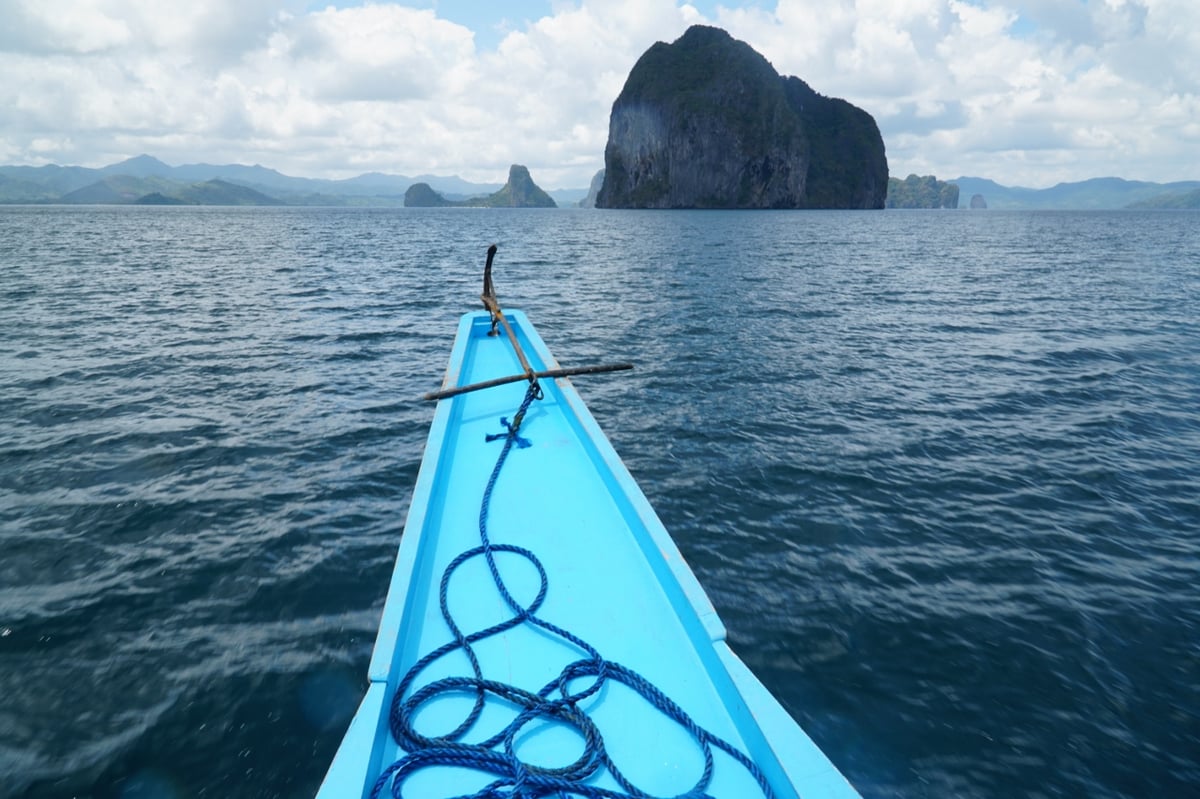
column 1025, row 92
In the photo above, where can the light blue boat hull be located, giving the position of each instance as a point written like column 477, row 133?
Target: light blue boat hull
column 615, row 579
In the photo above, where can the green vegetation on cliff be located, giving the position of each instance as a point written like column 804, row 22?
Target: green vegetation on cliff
column 846, row 147
column 921, row 192
column 707, row 75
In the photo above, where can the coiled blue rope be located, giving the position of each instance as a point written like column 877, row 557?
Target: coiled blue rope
column 555, row 701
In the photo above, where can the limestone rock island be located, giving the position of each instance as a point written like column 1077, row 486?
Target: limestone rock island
column 707, row 122
column 519, row 192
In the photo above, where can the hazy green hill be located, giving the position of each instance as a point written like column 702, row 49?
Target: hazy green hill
column 1093, row 194
column 155, row 198
column 126, row 189
column 220, row 192
column 1171, row 200
column 25, row 184
column 118, row 190
column 51, row 179
column 102, row 192
column 15, row 190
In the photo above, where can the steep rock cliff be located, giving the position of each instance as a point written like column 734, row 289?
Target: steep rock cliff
column 593, row 189
column 707, row 122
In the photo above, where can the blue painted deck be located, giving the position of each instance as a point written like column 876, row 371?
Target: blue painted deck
column 616, row 579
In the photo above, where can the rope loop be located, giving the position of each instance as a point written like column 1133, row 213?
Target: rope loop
column 532, row 394
column 557, row 702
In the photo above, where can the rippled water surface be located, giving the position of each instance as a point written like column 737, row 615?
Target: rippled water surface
column 939, row 472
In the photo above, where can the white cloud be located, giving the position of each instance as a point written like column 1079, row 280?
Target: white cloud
column 375, row 53
column 56, row 26
column 1026, row 91
column 1031, row 92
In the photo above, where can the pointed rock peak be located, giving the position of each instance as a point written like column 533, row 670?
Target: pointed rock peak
column 521, row 191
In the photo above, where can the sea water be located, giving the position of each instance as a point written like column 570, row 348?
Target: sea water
column 938, row 471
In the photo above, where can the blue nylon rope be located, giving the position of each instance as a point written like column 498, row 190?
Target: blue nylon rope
column 555, row 701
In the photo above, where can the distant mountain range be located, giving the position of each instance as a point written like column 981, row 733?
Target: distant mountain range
column 147, row 180
column 1094, row 194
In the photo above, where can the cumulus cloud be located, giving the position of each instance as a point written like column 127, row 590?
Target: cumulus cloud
column 1031, row 92
column 1028, row 92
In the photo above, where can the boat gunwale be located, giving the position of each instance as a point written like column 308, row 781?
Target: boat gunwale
column 787, row 755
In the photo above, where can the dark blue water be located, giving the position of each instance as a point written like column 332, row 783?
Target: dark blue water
column 940, row 473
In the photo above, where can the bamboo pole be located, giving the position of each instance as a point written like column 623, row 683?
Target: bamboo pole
column 493, row 306
column 552, row 373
